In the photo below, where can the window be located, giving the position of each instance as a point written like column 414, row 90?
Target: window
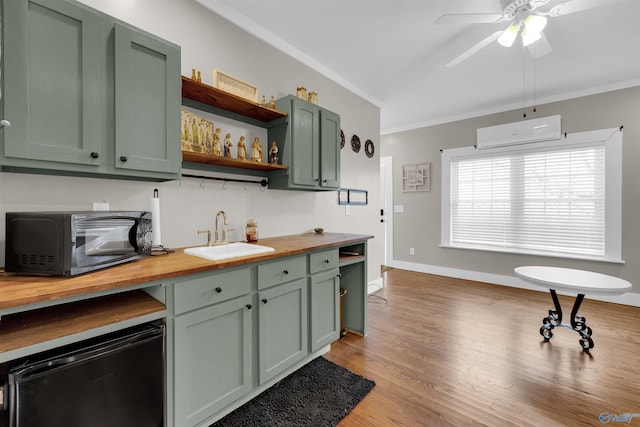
column 559, row 198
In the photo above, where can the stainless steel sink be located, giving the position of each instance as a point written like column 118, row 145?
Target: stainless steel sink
column 231, row 250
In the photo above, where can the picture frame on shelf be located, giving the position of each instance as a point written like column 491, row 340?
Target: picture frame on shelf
column 196, row 133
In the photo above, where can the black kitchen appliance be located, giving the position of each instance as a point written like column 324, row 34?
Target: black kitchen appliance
column 71, row 243
column 117, row 380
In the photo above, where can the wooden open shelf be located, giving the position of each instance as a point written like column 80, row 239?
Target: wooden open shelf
column 217, row 98
column 188, row 156
column 350, row 259
column 45, row 324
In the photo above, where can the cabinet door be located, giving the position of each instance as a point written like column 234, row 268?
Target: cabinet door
column 325, row 309
column 147, row 102
column 305, row 145
column 52, row 82
column 282, row 327
column 329, row 149
column 212, row 359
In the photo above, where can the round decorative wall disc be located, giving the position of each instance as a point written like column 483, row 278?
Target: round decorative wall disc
column 369, row 149
column 355, row 143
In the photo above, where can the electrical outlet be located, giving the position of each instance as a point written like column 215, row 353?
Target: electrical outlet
column 412, row 251
column 100, row 206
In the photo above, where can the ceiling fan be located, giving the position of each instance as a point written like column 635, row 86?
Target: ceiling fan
column 525, row 17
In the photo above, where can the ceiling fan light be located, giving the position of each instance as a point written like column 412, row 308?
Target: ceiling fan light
column 508, row 36
column 529, row 38
column 535, row 23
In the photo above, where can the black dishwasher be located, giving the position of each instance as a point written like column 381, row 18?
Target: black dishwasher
column 116, row 380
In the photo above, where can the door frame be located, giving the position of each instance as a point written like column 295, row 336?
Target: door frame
column 386, row 191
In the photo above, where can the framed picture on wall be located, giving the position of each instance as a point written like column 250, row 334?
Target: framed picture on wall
column 416, row 177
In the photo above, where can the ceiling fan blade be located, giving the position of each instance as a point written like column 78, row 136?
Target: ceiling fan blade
column 572, row 6
column 469, row 18
column 540, row 48
column 474, row 49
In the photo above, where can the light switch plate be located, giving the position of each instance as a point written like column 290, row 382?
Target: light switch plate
column 100, row 206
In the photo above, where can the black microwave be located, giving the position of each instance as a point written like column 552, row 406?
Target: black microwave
column 71, row 243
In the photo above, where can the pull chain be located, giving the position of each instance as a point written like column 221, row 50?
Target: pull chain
column 534, row 84
column 524, row 82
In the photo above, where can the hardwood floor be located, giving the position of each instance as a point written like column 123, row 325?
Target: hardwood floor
column 449, row 352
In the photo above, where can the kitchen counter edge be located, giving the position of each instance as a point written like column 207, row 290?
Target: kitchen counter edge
column 21, row 290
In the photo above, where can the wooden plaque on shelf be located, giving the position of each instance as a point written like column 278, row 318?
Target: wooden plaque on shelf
column 235, row 86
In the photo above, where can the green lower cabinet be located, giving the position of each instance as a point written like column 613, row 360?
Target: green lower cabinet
column 325, row 309
column 283, row 327
column 212, row 359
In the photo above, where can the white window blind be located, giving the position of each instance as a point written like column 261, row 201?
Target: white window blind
column 545, row 198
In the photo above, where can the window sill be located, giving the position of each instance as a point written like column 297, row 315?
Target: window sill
column 538, row 253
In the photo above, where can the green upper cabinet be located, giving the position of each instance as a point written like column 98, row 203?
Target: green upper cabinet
column 87, row 95
column 309, row 145
column 147, row 99
column 52, row 82
column 329, row 149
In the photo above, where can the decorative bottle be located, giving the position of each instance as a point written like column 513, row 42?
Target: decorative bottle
column 252, row 230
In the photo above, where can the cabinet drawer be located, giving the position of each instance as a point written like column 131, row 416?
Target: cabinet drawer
column 210, row 289
column 325, row 260
column 281, row 271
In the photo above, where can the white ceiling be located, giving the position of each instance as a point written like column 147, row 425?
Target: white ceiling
column 391, row 53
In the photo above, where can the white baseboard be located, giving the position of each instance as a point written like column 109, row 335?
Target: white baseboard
column 629, row 298
column 375, row 285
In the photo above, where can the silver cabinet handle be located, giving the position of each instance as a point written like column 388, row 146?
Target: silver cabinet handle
column 4, row 123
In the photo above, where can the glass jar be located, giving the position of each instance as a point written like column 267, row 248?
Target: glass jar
column 301, row 92
column 252, row 230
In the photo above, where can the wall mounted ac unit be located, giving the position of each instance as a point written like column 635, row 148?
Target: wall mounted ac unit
column 524, row 132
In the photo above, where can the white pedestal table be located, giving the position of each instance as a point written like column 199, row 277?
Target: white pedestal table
column 579, row 281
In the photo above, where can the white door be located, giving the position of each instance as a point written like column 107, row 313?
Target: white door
column 386, row 214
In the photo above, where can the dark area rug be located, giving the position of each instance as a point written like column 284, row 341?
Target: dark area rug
column 320, row 393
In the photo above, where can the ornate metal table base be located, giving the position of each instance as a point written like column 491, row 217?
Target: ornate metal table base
column 578, row 323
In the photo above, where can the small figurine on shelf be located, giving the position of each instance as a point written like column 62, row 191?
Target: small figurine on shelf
column 217, row 149
column 193, row 74
column 242, row 149
column 273, row 153
column 272, row 103
column 194, row 132
column 227, row 146
column 264, row 101
column 256, row 150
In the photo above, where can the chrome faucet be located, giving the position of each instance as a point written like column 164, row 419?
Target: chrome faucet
column 222, row 241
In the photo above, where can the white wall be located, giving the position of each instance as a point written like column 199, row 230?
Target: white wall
column 210, row 42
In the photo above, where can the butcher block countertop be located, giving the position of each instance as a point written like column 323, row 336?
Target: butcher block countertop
column 39, row 313
column 22, row 290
